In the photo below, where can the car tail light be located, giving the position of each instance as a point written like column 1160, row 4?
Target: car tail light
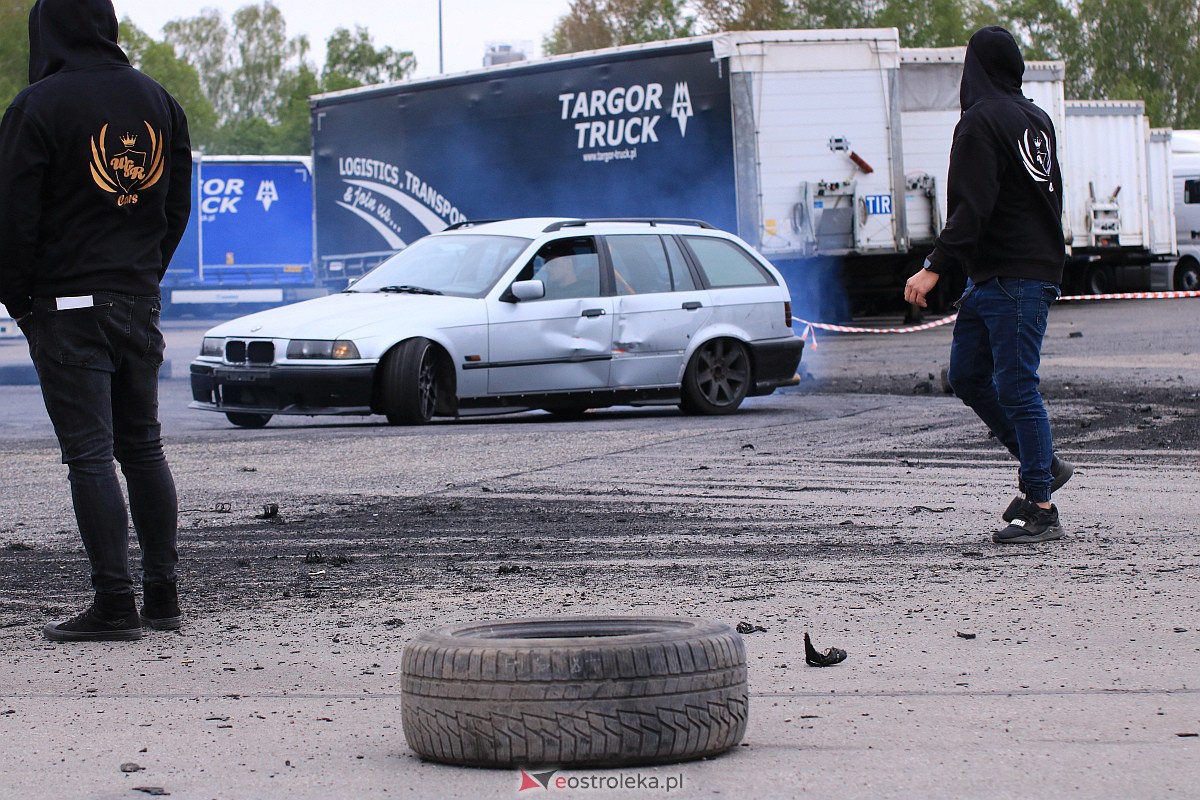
column 787, row 313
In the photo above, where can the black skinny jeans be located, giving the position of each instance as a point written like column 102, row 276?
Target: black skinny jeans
column 98, row 368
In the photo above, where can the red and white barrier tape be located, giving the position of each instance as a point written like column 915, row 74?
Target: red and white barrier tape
column 810, row 327
column 1131, row 296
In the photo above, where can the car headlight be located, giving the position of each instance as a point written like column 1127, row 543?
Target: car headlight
column 317, row 348
column 212, row 346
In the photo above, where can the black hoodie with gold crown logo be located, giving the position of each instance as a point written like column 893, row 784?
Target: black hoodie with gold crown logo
column 95, row 165
column 1004, row 189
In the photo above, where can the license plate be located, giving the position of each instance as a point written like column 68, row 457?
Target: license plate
column 242, row 376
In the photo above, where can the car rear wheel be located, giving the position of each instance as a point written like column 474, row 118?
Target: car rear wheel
column 247, row 420
column 717, row 378
column 410, row 383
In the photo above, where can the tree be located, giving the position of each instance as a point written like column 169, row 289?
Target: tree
column 203, row 42
column 241, row 67
column 351, row 60
column 265, row 58
column 747, row 15
column 14, row 48
column 934, row 23
column 592, row 24
column 1147, row 50
column 158, row 60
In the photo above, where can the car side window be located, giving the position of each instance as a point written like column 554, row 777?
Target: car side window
column 724, row 263
column 644, row 264
column 639, row 264
column 567, row 267
column 681, row 276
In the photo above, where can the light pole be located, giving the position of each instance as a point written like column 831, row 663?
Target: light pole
column 441, row 66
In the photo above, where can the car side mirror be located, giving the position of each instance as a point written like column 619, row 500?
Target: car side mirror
column 526, row 290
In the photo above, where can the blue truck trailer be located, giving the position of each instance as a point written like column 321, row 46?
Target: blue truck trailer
column 249, row 241
column 791, row 139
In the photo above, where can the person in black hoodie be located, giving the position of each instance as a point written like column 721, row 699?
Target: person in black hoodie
column 95, row 188
column 1004, row 229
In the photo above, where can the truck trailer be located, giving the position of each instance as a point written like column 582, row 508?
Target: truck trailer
column 791, row 139
column 1119, row 203
column 249, row 240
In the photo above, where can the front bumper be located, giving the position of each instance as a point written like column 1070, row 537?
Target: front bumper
column 308, row 390
column 775, row 364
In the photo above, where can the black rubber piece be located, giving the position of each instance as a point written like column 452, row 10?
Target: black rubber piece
column 596, row 691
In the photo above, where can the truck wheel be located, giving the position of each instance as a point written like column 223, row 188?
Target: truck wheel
column 410, row 382
column 570, row 691
column 246, row 420
column 717, row 378
column 1099, row 281
column 1187, row 275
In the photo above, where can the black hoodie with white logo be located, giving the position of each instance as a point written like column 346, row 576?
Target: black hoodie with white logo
column 95, row 165
column 1005, row 189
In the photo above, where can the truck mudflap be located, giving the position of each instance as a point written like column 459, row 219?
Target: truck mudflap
column 280, row 390
column 775, row 364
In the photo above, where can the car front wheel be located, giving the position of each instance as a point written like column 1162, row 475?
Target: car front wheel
column 246, row 420
column 717, row 378
column 410, row 383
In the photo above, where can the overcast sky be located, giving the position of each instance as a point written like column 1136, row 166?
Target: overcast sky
column 467, row 25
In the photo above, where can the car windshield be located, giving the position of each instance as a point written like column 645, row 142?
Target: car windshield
column 459, row 265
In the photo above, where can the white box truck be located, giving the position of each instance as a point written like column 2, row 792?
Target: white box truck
column 1185, row 171
column 1119, row 213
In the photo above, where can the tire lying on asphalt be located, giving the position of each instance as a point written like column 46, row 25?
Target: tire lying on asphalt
column 571, row 691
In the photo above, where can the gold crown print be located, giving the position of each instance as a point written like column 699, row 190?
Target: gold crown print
column 129, row 140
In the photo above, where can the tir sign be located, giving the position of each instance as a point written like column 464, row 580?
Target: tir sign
column 878, row 203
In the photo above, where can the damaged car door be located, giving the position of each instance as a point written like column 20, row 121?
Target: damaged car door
column 561, row 341
column 659, row 308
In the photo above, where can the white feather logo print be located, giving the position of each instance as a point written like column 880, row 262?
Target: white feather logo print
column 1035, row 153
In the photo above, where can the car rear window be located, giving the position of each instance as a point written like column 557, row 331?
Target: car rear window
column 724, row 263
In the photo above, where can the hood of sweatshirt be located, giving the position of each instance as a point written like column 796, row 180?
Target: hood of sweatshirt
column 993, row 67
column 69, row 34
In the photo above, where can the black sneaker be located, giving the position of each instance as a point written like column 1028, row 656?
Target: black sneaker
column 111, row 618
column 160, row 607
column 1060, row 472
column 1032, row 523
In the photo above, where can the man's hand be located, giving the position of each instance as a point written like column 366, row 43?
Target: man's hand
column 920, row 285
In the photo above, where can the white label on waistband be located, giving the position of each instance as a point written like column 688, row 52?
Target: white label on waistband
column 82, row 301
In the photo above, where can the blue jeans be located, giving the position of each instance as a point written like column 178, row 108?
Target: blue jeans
column 994, row 360
column 98, row 368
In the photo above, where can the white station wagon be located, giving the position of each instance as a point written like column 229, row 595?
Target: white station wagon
column 487, row 317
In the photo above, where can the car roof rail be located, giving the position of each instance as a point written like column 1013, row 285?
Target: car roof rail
column 651, row 221
column 467, row 223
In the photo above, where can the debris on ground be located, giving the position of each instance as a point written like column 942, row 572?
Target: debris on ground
column 833, row 655
column 745, row 627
